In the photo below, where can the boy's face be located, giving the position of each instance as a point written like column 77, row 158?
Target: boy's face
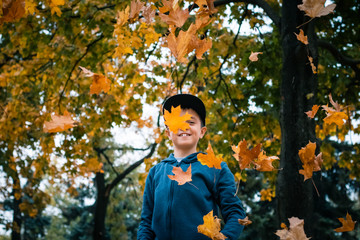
column 187, row 140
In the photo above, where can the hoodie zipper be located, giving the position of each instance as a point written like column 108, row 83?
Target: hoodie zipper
column 171, row 197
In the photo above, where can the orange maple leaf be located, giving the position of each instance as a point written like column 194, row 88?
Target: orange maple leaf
column 244, row 155
column 254, row 56
column 295, row 231
column 245, row 221
column 135, row 8
column 314, row 109
column 179, row 46
column 12, row 10
column 180, row 176
column 210, row 159
column 313, row 67
column 167, row 5
column 59, row 123
column 301, row 37
column 264, row 163
column 311, row 163
column 175, row 120
column 176, row 17
column 347, row 224
column 316, row 8
column 100, row 82
column 211, row 227
column 334, row 115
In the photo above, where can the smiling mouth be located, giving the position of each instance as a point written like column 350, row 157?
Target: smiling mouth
column 184, row 135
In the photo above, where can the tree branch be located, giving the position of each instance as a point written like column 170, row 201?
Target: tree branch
column 121, row 176
column 344, row 60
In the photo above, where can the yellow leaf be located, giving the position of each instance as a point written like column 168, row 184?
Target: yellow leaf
column 211, row 227
column 254, row 56
column 209, row 159
column 176, row 120
column 301, row 37
column 311, row 114
column 180, row 176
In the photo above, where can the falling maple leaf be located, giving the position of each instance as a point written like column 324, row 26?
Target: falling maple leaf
column 264, row 163
column 295, row 231
column 313, row 67
column 311, row 163
column 135, row 8
column 12, row 11
column 245, row 156
column 100, row 82
column 175, row 120
column 254, row 56
column 180, row 176
column 211, row 227
column 347, row 224
column 245, row 221
column 334, row 115
column 59, row 123
column 210, row 159
column 301, row 37
column 312, row 113
column 176, row 17
column 316, row 8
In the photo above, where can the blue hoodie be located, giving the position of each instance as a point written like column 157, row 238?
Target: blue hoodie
column 173, row 212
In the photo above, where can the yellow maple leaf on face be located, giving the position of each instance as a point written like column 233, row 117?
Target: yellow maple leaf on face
column 180, row 176
column 59, row 123
column 264, row 163
column 244, row 155
column 311, row 163
column 100, row 82
column 347, row 224
column 314, row 109
column 209, row 159
column 175, row 120
column 316, row 8
column 211, row 227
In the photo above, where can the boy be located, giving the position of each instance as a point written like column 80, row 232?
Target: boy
column 172, row 211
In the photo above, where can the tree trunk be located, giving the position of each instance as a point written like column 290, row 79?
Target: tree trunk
column 101, row 203
column 294, row 195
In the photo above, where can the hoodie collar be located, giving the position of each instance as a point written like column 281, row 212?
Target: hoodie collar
column 188, row 159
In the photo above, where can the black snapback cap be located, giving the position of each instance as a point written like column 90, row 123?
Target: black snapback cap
column 186, row 101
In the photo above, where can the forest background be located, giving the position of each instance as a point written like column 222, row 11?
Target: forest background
column 75, row 74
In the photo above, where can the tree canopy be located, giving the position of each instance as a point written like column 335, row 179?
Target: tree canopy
column 71, row 71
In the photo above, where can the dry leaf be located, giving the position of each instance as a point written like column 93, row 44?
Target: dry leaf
column 211, row 227
column 254, row 56
column 334, row 115
column 244, row 155
column 135, row 8
column 180, row 176
column 301, row 37
column 316, row 8
column 245, row 221
column 59, row 123
column 347, row 224
column 176, row 120
column 312, row 113
column 176, row 17
column 13, row 11
column 313, row 67
column 311, row 163
column 209, row 159
column 264, row 163
column 295, row 231
column 100, row 82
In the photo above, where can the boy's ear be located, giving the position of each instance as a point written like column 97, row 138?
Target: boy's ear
column 203, row 131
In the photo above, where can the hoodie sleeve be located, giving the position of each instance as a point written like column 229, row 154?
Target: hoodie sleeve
column 230, row 205
column 145, row 231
